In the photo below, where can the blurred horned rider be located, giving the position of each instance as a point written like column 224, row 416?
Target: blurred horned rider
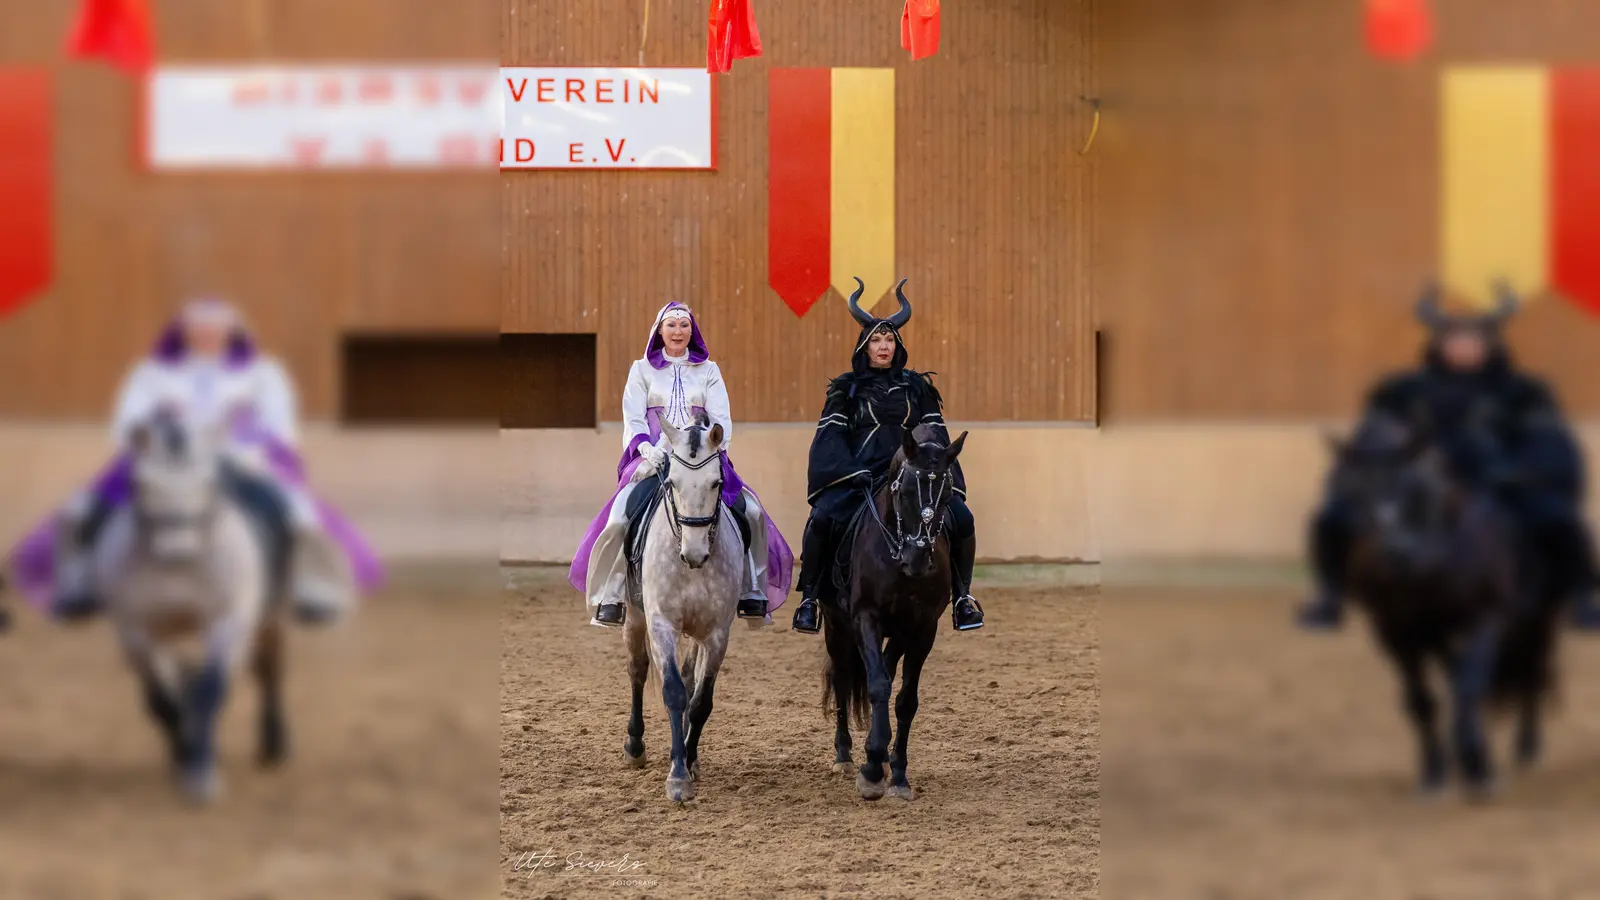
column 206, row 366
column 1501, row 431
column 866, row 411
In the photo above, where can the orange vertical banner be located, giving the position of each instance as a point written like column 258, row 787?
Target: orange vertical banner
column 27, row 225
column 863, row 227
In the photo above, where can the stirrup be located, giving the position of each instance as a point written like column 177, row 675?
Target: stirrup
column 622, row 618
column 795, row 622
column 976, row 607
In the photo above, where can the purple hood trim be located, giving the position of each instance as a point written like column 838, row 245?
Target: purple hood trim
column 654, row 349
column 171, row 347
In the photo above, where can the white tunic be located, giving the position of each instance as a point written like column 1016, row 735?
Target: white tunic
column 209, row 393
column 676, row 389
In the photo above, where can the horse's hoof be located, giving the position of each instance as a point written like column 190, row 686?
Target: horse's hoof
column 694, row 770
column 844, row 767
column 680, row 790
column 902, row 792
column 869, row 790
column 1481, row 791
column 274, row 758
column 202, row 787
column 631, row 761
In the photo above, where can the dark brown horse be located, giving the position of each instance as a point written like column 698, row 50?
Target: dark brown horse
column 898, row 589
column 1437, row 567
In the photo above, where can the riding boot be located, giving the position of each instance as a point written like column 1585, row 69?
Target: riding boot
column 965, row 613
column 1324, row 611
column 304, row 564
column 816, row 555
column 74, row 598
column 1584, row 577
column 753, row 605
column 608, row 563
column 1585, row 610
column 1329, row 551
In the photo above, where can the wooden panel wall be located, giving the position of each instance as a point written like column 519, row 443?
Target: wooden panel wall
column 994, row 207
column 307, row 256
column 1269, row 201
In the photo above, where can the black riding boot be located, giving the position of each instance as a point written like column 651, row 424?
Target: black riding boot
column 610, row 614
column 1580, row 557
column 816, row 552
column 965, row 613
column 1330, row 547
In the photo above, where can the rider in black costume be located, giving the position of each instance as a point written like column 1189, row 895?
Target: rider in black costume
column 866, row 412
column 1501, row 431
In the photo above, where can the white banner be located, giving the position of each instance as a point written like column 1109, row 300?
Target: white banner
column 622, row 118
column 321, row 117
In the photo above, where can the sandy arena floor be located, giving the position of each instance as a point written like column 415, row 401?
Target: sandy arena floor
column 390, row 794
column 1004, row 754
column 1246, row 760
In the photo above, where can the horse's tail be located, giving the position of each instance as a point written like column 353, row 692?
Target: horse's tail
column 845, row 669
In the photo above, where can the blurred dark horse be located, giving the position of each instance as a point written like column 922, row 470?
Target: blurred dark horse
column 1438, row 568
column 899, row 565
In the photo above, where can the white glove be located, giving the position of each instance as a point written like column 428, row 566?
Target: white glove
column 652, row 457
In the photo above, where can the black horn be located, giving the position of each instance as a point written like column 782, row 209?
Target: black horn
column 1428, row 312
column 1506, row 302
column 861, row 316
column 903, row 314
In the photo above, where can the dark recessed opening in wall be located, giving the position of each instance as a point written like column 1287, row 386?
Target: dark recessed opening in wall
column 547, row 381
column 1102, row 372
column 421, row 379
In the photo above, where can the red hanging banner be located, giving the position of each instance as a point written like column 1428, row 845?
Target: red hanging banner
column 799, row 184
column 1574, row 185
column 1398, row 30
column 919, row 28
column 117, row 31
column 731, row 34
column 27, row 227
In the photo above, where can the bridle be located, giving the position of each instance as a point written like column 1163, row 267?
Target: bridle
column 934, row 506
column 680, row 522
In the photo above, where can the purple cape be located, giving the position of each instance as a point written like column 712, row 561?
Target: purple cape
column 33, row 560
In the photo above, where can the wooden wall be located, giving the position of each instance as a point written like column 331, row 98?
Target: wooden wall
column 1269, row 199
column 307, row 256
column 994, row 207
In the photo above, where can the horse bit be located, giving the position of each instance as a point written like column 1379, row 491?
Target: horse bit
column 678, row 522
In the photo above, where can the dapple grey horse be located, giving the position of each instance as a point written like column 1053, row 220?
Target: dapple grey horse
column 186, row 584
column 691, row 575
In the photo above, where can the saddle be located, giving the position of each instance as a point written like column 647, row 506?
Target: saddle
column 641, row 509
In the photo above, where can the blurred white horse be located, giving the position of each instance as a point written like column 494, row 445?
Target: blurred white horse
column 186, row 580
